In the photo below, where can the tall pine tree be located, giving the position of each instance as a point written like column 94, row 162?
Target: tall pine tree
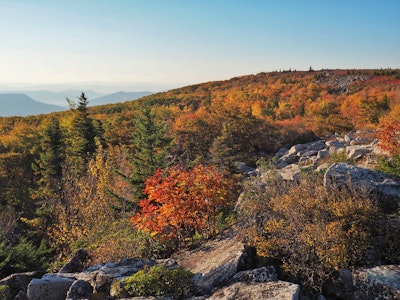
column 151, row 147
column 81, row 140
column 48, row 167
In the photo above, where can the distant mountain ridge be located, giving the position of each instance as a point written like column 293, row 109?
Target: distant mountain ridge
column 117, row 97
column 20, row 104
column 16, row 104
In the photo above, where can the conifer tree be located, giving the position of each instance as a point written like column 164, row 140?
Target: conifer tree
column 222, row 152
column 151, row 146
column 51, row 158
column 81, row 141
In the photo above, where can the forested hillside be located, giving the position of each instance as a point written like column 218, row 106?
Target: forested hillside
column 147, row 177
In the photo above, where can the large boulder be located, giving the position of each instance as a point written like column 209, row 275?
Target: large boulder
column 80, row 290
column 382, row 282
column 275, row 290
column 76, row 262
column 385, row 187
column 217, row 261
column 263, row 274
column 19, row 281
column 49, row 287
column 290, row 172
column 102, row 276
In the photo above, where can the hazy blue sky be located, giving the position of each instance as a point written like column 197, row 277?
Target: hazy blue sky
column 189, row 41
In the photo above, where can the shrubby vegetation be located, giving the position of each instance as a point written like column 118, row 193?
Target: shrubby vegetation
column 76, row 179
column 313, row 231
column 157, row 281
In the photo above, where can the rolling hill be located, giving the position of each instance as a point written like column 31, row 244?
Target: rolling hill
column 118, row 97
column 22, row 105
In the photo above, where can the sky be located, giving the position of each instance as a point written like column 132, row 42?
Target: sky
column 179, row 42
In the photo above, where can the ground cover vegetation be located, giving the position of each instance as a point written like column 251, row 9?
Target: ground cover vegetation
column 147, row 177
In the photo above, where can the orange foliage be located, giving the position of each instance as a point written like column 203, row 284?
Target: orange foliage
column 181, row 202
column 389, row 136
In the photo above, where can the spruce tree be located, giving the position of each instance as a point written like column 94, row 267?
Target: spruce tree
column 151, row 147
column 81, row 141
column 48, row 167
column 222, row 150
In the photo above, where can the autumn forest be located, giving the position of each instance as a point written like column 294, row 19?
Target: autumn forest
column 148, row 177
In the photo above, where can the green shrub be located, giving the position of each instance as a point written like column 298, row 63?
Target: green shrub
column 157, row 281
column 389, row 166
column 5, row 293
column 22, row 256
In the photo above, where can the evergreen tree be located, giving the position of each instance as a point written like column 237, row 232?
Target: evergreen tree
column 222, row 152
column 151, row 146
column 81, row 142
column 51, row 158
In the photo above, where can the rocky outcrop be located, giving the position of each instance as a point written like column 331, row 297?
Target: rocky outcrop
column 76, row 262
column 263, row 274
column 358, row 147
column 385, row 187
column 20, row 281
column 382, row 282
column 217, row 261
column 80, row 290
column 49, row 287
column 275, row 290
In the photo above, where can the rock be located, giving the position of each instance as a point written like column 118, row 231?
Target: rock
column 357, row 151
column 80, row 290
column 312, row 147
column 281, row 152
column 335, row 146
column 322, row 153
column 101, row 276
column 241, row 166
column 275, row 290
column 323, row 167
column 21, row 296
column 296, row 148
column 76, row 262
column 385, row 187
column 348, row 138
column 217, row 261
column 49, row 287
column 286, row 160
column 340, row 287
column 290, row 172
column 381, row 282
column 19, row 281
column 263, row 274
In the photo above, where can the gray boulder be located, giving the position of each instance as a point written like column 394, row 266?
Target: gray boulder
column 19, row 281
column 275, row 290
column 290, row 172
column 217, row 261
column 335, row 146
column 21, row 296
column 263, row 274
column 76, row 262
column 358, row 151
column 49, row 287
column 80, row 290
column 385, row 187
column 381, row 282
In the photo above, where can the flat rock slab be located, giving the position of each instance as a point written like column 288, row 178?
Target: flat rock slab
column 49, row 287
column 377, row 282
column 216, row 261
column 385, row 187
column 275, row 290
